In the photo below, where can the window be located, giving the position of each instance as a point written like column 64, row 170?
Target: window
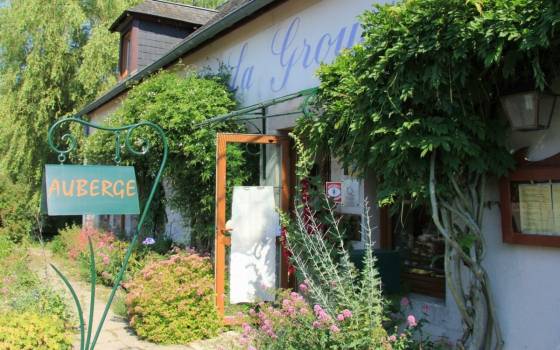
column 530, row 203
column 125, row 55
column 410, row 231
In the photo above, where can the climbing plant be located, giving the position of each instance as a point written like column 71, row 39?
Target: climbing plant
column 179, row 103
column 417, row 103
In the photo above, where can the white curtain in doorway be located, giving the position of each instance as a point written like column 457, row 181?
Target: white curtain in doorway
column 254, row 225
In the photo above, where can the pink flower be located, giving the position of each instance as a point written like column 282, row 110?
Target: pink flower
column 251, row 347
column 393, row 338
column 106, row 260
column 316, row 324
column 347, row 313
column 340, row 317
column 405, row 302
column 246, row 328
column 303, row 288
column 411, row 321
column 334, row 329
column 317, row 308
column 295, row 296
column 323, row 316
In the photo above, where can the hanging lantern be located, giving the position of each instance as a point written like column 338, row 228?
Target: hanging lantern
column 531, row 110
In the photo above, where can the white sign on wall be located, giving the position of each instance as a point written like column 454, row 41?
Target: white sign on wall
column 283, row 58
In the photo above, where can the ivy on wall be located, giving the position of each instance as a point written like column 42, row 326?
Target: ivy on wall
column 178, row 104
column 417, row 103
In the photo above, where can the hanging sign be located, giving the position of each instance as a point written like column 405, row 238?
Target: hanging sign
column 90, row 189
column 334, row 191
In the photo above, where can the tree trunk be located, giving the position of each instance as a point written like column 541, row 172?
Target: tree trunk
column 458, row 218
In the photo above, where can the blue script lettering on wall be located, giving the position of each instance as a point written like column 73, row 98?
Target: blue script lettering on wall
column 308, row 54
column 291, row 50
column 246, row 76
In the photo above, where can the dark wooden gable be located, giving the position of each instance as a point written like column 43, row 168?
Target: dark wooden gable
column 152, row 28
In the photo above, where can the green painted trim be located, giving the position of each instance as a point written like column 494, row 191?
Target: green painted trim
column 247, row 112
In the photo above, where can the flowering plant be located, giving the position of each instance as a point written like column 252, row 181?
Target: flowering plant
column 108, row 249
column 171, row 301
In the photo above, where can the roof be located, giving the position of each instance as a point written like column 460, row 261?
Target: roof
column 231, row 13
column 167, row 10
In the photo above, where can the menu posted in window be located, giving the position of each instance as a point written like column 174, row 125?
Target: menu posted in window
column 539, row 206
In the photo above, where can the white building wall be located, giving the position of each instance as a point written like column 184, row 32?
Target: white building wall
column 278, row 53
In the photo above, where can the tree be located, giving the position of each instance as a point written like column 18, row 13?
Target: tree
column 55, row 56
column 416, row 102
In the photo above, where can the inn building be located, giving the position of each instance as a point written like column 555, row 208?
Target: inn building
column 273, row 49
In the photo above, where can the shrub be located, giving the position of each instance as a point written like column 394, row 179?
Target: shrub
column 72, row 242
column 30, row 331
column 338, row 308
column 6, row 246
column 178, row 104
column 16, row 212
column 172, row 301
column 333, row 282
column 32, row 316
column 292, row 323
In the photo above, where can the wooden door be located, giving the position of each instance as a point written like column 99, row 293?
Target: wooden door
column 222, row 240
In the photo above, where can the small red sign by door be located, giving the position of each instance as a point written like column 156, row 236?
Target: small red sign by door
column 334, row 191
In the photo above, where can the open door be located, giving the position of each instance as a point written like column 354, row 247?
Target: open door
column 222, row 240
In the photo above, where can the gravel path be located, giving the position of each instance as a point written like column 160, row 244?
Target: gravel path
column 116, row 335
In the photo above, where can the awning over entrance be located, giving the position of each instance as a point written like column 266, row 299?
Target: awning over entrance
column 258, row 111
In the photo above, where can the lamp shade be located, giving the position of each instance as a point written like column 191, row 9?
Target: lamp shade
column 531, row 110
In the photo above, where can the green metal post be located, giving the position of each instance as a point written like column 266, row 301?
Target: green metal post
column 62, row 155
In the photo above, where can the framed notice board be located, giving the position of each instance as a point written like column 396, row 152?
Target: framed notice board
column 530, row 203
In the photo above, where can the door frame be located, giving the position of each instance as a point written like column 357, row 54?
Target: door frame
column 222, row 240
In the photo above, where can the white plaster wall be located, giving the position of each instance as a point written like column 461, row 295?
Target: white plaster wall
column 526, row 286
column 525, row 279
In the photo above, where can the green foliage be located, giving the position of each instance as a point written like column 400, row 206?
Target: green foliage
column 427, row 78
column 177, row 104
column 172, row 301
column 293, row 323
column 30, row 331
column 55, row 56
column 32, row 315
column 16, row 213
column 332, row 280
column 47, row 70
column 72, row 243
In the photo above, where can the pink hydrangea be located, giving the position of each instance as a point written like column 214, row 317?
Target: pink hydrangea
column 411, row 321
